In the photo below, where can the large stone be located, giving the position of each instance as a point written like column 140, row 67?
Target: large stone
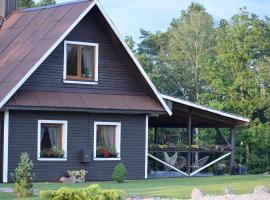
column 227, row 191
column 63, row 179
column 261, row 189
column 36, row 192
column 197, row 194
column 71, row 179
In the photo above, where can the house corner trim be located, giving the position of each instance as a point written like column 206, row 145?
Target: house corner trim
column 5, row 145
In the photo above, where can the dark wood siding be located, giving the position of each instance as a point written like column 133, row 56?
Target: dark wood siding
column 114, row 72
column 23, row 138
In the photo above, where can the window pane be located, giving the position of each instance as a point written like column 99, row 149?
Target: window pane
column 87, row 61
column 106, row 141
column 51, row 141
column 72, row 60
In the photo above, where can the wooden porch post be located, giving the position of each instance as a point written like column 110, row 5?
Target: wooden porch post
column 155, row 142
column 189, row 141
column 233, row 133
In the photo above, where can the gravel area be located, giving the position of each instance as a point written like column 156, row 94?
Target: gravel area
column 252, row 196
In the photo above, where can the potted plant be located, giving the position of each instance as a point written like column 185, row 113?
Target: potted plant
column 112, row 152
column 57, row 152
column 52, row 152
column 104, row 152
column 47, row 153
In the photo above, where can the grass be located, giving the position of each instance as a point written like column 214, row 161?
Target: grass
column 179, row 188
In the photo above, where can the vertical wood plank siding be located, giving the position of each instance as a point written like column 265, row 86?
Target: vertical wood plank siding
column 114, row 73
column 23, row 138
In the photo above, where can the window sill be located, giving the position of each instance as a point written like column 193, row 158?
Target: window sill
column 81, row 82
column 106, row 159
column 52, row 159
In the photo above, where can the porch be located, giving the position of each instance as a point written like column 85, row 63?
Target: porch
column 175, row 145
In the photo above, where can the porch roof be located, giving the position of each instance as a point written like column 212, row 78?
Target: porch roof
column 202, row 116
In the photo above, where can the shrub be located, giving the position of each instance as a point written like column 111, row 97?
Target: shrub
column 23, row 177
column 92, row 192
column 113, row 195
column 119, row 173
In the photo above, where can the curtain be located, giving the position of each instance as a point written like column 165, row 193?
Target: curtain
column 42, row 133
column 107, row 133
column 87, row 60
column 53, row 133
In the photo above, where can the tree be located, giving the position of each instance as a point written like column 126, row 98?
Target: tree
column 238, row 86
column 23, row 177
column 45, row 3
column 26, row 4
column 189, row 51
column 31, row 3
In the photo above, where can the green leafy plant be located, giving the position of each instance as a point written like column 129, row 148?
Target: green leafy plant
column 119, row 173
column 23, row 177
column 54, row 152
column 92, row 192
column 58, row 152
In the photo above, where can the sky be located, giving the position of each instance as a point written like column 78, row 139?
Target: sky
column 130, row 16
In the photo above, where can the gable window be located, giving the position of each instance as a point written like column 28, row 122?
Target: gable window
column 107, row 140
column 80, row 62
column 52, row 140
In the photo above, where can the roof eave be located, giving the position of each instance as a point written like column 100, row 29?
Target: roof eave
column 204, row 108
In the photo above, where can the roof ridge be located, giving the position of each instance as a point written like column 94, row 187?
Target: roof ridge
column 51, row 6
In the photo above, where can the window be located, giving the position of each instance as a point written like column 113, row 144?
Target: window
column 107, row 140
column 52, row 140
column 80, row 62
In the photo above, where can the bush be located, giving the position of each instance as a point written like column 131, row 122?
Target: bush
column 93, row 192
column 23, row 177
column 119, row 173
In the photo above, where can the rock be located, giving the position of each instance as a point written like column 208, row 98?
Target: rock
column 261, row 189
column 197, row 194
column 71, row 179
column 36, row 192
column 63, row 179
column 227, row 191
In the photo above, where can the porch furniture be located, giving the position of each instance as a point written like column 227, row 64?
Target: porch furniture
column 181, row 162
column 170, row 160
column 200, row 163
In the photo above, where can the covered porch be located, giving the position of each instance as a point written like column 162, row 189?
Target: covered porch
column 175, row 147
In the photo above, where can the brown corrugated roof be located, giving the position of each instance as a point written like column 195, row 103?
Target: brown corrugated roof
column 84, row 101
column 26, row 35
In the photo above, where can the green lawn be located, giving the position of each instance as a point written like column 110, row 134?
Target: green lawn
column 179, row 188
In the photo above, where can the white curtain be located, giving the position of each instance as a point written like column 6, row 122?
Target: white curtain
column 53, row 133
column 87, row 59
column 42, row 133
column 107, row 133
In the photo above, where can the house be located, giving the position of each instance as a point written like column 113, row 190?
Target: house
column 73, row 96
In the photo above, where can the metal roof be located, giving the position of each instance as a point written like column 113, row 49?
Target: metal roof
column 84, row 101
column 27, row 38
column 204, row 108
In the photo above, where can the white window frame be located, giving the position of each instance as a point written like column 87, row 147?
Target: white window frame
column 64, row 139
column 118, row 140
column 92, row 82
